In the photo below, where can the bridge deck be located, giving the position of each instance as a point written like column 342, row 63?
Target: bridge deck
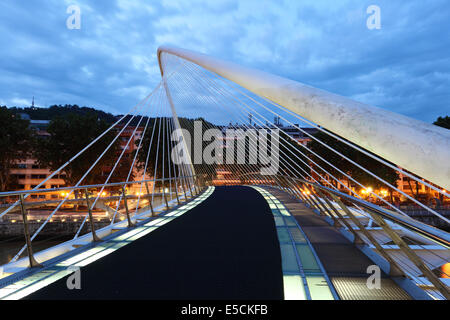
column 344, row 263
column 233, row 245
column 224, row 248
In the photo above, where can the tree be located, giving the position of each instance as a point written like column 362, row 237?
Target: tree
column 161, row 129
column 203, row 169
column 15, row 145
column 330, row 156
column 55, row 111
column 443, row 122
column 159, row 134
column 68, row 135
column 374, row 166
column 293, row 155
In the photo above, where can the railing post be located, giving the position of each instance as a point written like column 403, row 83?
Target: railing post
column 195, row 186
column 288, row 186
column 316, row 200
column 199, row 184
column 442, row 288
column 95, row 238
column 299, row 191
column 301, row 196
column 190, row 189
column 33, row 262
column 313, row 201
column 307, row 199
column 149, row 199
column 176, row 191
column 356, row 238
column 326, row 211
column 394, row 269
column 125, row 201
column 184, row 190
column 284, row 185
column 165, row 198
column 296, row 190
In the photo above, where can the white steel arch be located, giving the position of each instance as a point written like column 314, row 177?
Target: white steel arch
column 416, row 146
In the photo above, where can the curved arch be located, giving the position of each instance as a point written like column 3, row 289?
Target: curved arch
column 416, row 146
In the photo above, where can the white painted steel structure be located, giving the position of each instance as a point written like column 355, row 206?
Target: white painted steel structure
column 421, row 148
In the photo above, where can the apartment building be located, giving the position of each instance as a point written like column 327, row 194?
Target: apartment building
column 29, row 173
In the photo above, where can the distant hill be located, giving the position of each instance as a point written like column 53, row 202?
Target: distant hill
column 58, row 110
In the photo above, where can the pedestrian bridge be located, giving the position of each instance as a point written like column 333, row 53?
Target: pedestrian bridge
column 227, row 243
column 303, row 223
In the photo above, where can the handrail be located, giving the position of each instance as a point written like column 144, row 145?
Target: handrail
column 437, row 235
column 113, row 184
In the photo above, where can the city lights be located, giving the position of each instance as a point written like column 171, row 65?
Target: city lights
column 368, row 190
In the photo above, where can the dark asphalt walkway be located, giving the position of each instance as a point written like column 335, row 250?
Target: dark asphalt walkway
column 225, row 248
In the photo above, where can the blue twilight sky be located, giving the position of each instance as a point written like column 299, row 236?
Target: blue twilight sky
column 110, row 63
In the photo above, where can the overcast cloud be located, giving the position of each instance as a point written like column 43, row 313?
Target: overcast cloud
column 110, row 63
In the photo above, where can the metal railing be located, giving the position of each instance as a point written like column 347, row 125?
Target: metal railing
column 342, row 208
column 188, row 186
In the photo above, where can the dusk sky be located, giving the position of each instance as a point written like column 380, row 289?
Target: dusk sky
column 110, row 63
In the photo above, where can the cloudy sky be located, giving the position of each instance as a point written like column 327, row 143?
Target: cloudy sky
column 110, row 63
